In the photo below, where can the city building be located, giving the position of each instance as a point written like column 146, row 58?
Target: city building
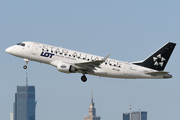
column 138, row 115
column 92, row 111
column 25, row 104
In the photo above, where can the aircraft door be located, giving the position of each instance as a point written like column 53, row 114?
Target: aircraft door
column 126, row 68
column 35, row 48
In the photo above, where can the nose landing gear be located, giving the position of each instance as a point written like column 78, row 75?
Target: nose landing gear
column 25, row 66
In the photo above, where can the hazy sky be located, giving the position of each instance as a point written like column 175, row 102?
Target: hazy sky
column 128, row 30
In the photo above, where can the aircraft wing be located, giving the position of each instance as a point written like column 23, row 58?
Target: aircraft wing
column 89, row 66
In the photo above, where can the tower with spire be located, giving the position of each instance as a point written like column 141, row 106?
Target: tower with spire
column 92, row 111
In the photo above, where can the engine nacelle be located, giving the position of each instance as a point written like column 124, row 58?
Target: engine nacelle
column 65, row 67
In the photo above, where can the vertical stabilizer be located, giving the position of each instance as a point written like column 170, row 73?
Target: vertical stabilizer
column 159, row 59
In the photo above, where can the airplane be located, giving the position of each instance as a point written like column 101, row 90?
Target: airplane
column 70, row 61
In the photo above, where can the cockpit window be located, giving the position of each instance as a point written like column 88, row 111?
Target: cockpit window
column 21, row 44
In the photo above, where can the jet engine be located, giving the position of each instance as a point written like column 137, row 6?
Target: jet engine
column 65, row 68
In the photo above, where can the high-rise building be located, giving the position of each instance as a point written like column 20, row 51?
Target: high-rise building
column 92, row 111
column 138, row 115
column 25, row 104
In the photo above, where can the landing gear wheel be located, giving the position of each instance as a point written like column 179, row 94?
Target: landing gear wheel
column 84, row 78
column 25, row 66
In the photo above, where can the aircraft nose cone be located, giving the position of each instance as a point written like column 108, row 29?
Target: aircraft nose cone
column 9, row 50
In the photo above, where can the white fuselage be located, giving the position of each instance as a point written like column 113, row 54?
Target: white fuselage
column 53, row 55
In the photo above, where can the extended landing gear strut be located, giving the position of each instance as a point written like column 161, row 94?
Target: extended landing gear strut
column 25, row 66
column 84, row 78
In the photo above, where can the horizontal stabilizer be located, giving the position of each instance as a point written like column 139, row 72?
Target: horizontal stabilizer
column 157, row 73
column 164, row 74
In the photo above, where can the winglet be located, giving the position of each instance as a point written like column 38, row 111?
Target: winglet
column 106, row 57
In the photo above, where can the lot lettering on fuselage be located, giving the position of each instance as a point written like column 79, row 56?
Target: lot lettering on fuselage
column 47, row 54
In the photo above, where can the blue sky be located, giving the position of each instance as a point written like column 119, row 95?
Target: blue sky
column 128, row 30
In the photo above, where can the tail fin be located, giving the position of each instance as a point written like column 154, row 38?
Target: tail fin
column 159, row 59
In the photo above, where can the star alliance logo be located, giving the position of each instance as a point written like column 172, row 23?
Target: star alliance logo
column 159, row 60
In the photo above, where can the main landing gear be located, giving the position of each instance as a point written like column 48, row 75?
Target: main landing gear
column 25, row 66
column 84, row 78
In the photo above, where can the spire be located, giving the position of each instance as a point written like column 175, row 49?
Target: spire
column 92, row 110
column 92, row 103
column 92, row 96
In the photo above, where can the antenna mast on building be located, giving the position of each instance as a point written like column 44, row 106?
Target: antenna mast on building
column 26, row 86
column 140, row 113
column 130, row 111
column 26, row 78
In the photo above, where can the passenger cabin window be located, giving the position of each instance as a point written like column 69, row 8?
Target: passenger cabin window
column 21, row 44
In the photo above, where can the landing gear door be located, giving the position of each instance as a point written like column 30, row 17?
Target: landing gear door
column 35, row 48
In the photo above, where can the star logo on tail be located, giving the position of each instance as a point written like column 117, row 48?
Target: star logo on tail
column 159, row 60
